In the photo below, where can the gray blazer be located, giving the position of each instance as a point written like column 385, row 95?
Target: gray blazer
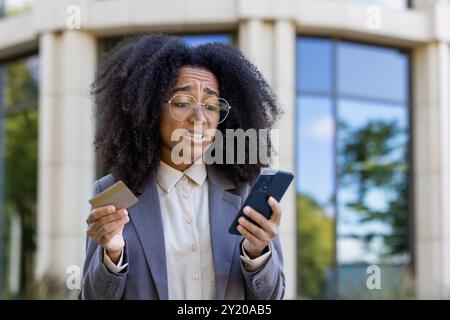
column 146, row 275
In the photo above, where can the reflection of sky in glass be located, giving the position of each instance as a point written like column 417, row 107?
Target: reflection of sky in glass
column 198, row 39
column 358, row 113
column 315, row 148
column 354, row 250
column 314, row 65
column 372, row 85
column 371, row 72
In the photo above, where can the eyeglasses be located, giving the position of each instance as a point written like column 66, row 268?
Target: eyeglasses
column 183, row 106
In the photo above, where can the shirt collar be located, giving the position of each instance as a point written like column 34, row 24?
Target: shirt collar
column 167, row 177
column 197, row 172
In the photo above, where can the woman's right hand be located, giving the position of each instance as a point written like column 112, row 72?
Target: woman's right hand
column 105, row 226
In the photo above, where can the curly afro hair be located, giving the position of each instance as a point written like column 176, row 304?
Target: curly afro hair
column 133, row 82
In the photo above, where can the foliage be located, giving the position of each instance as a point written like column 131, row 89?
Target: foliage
column 20, row 151
column 315, row 247
column 374, row 157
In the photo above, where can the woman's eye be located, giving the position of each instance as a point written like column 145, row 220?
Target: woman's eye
column 212, row 107
column 182, row 104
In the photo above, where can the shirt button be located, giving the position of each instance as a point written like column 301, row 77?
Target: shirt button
column 188, row 220
column 185, row 195
column 195, row 276
column 194, row 248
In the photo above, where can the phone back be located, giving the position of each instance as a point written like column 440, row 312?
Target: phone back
column 269, row 183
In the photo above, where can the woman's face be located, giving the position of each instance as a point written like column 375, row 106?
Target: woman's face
column 200, row 84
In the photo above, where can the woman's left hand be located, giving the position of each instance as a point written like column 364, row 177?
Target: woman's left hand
column 258, row 238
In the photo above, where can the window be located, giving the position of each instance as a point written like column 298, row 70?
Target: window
column 353, row 169
column 14, row 7
column 18, row 174
column 198, row 39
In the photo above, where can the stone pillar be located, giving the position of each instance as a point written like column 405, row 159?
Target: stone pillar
column 271, row 47
column 284, row 86
column 431, row 125
column 66, row 155
column 256, row 41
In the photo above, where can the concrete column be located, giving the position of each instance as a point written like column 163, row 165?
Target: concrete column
column 256, row 40
column 66, row 156
column 48, row 100
column 271, row 47
column 284, row 86
column 431, row 124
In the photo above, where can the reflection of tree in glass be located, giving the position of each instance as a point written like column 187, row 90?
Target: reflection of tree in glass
column 15, row 8
column 374, row 157
column 21, row 162
column 315, row 248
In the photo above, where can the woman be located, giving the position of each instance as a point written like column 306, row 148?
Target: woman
column 174, row 243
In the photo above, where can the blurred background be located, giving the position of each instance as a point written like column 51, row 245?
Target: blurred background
column 365, row 85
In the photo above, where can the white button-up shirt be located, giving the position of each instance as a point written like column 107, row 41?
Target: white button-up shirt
column 183, row 198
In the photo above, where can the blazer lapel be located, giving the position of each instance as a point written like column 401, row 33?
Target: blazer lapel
column 222, row 205
column 146, row 218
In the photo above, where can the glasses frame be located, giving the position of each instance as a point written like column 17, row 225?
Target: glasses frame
column 197, row 104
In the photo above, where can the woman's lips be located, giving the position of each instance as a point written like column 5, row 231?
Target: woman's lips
column 196, row 137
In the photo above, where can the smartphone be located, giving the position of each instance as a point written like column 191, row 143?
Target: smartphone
column 270, row 183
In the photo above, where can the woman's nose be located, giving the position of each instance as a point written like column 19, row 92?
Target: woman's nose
column 199, row 114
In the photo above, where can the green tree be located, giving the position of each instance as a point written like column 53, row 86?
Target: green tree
column 21, row 126
column 315, row 248
column 374, row 157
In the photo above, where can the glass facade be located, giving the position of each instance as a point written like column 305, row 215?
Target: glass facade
column 353, row 169
column 198, row 39
column 18, row 174
column 14, row 7
column 110, row 44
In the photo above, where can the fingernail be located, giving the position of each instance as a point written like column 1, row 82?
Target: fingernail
column 247, row 209
column 111, row 209
column 241, row 219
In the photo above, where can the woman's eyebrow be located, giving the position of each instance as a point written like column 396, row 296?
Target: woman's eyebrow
column 189, row 87
column 184, row 88
column 211, row 91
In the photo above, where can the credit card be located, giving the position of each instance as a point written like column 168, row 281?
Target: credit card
column 118, row 195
